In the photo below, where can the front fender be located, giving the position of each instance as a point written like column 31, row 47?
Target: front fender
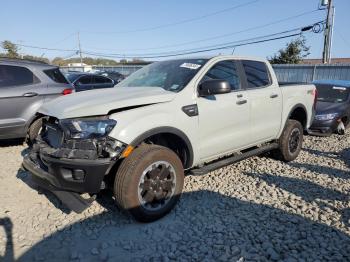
column 134, row 125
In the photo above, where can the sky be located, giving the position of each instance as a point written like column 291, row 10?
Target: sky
column 155, row 26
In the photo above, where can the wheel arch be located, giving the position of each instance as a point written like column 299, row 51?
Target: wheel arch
column 299, row 113
column 160, row 135
column 31, row 120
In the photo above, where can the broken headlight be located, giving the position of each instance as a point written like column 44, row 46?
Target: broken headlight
column 85, row 128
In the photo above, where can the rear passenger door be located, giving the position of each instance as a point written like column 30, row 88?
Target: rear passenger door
column 265, row 101
column 84, row 83
column 224, row 120
column 102, row 82
column 21, row 93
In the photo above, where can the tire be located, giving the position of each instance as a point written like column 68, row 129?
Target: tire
column 136, row 188
column 290, row 141
column 33, row 131
column 341, row 128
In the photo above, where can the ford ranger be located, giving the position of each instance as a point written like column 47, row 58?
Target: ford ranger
column 167, row 119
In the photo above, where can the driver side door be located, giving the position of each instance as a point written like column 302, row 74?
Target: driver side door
column 224, row 120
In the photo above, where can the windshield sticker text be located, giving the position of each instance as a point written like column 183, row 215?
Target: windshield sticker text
column 190, row 66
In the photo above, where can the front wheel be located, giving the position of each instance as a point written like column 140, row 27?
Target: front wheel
column 33, row 131
column 149, row 182
column 290, row 141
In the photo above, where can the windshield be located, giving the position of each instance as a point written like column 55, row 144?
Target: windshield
column 334, row 94
column 171, row 75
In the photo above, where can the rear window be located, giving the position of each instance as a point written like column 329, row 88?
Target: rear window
column 56, row 75
column 16, row 76
column 257, row 73
column 333, row 94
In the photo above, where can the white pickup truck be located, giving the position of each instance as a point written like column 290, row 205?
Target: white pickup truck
column 192, row 115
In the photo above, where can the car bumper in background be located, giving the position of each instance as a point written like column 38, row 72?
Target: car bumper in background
column 323, row 128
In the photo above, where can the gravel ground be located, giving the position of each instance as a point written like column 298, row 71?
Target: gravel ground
column 257, row 210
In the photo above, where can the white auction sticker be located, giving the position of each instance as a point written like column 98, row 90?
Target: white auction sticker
column 339, row 88
column 190, row 66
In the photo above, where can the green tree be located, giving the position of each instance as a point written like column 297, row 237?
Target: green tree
column 294, row 53
column 10, row 48
column 37, row 58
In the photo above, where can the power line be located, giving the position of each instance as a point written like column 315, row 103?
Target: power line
column 64, row 39
column 213, row 49
column 179, row 22
column 180, row 44
column 223, row 35
column 206, row 48
column 46, row 48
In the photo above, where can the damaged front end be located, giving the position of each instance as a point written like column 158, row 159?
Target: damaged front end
column 72, row 157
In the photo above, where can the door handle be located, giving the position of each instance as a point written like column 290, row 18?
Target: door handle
column 239, row 95
column 273, row 96
column 241, row 102
column 30, row 94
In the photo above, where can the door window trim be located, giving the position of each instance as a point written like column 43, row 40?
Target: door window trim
column 240, row 74
column 245, row 81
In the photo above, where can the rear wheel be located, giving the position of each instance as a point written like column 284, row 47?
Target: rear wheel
column 290, row 141
column 149, row 182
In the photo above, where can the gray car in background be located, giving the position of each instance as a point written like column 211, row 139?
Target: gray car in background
column 24, row 86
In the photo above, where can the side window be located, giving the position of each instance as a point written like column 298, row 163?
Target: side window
column 56, row 75
column 101, row 80
column 224, row 70
column 16, row 76
column 257, row 73
column 85, row 80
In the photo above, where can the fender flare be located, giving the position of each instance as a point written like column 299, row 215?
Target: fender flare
column 295, row 107
column 170, row 130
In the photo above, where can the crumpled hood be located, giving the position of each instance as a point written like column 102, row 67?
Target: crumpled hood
column 329, row 107
column 101, row 101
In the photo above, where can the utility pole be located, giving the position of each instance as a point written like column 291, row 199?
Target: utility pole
column 81, row 58
column 328, row 33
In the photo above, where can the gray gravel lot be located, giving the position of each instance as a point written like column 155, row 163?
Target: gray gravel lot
column 257, row 210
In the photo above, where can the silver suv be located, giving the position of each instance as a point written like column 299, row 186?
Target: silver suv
column 24, row 86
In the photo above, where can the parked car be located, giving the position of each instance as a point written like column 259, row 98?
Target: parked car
column 332, row 108
column 88, row 81
column 25, row 86
column 187, row 114
column 115, row 76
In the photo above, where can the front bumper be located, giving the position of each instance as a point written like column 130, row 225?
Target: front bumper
column 68, row 178
column 323, row 128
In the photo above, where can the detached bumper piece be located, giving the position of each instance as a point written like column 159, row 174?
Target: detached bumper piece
column 68, row 178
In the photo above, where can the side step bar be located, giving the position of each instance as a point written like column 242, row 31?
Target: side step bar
column 232, row 159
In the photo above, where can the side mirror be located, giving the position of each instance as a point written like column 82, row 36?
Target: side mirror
column 214, row 87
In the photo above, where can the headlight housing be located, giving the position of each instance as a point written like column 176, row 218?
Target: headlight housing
column 325, row 117
column 84, row 128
